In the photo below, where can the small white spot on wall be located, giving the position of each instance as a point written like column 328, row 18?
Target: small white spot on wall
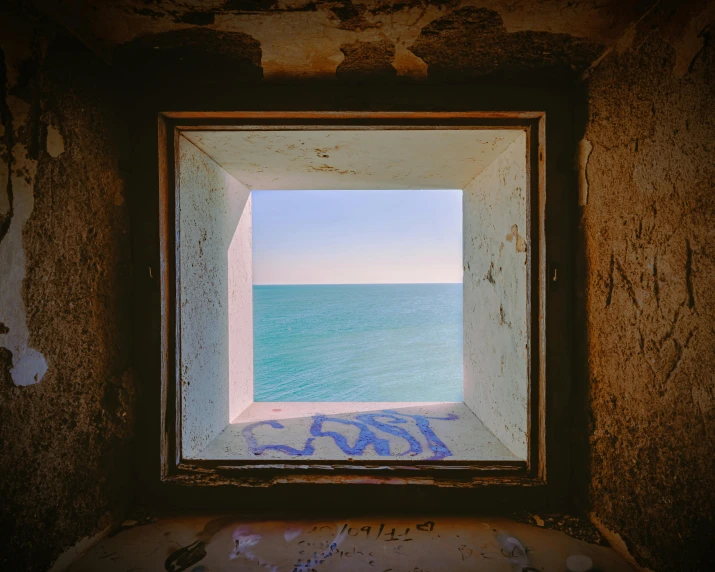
column 29, row 366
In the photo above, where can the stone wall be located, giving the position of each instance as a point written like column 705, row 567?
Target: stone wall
column 649, row 230
column 66, row 383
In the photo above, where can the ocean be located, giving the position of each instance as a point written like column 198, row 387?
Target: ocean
column 376, row 342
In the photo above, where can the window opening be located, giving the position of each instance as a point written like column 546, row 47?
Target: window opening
column 228, row 410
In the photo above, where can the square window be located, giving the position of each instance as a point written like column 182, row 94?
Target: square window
column 227, row 412
column 357, row 296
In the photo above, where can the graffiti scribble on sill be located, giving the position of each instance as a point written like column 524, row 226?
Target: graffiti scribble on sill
column 395, row 425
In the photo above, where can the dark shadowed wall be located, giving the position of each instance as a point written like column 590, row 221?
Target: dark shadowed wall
column 649, row 231
column 66, row 386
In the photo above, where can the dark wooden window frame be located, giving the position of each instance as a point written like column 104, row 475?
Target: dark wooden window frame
column 443, row 473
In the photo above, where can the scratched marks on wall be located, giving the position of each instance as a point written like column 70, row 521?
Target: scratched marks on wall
column 315, row 547
column 385, row 433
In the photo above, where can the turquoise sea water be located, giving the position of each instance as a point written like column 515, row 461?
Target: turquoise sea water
column 380, row 342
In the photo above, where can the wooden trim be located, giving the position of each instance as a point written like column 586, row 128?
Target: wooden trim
column 166, row 190
column 445, row 473
column 176, row 300
column 342, row 115
column 363, row 465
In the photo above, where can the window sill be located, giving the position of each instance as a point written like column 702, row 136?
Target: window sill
column 354, row 432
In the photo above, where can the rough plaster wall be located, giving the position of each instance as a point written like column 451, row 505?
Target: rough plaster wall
column 212, row 232
column 65, row 460
column 649, row 231
column 495, row 287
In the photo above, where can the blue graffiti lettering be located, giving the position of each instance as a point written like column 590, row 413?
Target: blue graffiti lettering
column 366, row 437
column 256, row 449
column 387, row 421
column 388, row 427
column 438, row 448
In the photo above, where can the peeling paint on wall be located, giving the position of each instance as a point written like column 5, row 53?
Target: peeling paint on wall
column 473, row 42
column 17, row 168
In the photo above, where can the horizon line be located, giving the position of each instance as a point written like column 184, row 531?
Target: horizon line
column 355, row 283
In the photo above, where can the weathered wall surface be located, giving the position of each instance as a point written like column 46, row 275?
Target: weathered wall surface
column 649, row 230
column 371, row 39
column 66, row 386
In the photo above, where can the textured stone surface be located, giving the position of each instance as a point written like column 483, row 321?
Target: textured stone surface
column 473, row 42
column 63, row 440
column 650, row 299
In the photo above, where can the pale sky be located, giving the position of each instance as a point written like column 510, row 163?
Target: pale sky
column 357, row 237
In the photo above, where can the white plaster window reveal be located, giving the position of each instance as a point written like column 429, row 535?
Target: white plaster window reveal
column 216, row 171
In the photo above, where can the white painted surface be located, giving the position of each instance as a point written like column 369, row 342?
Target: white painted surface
column 458, row 435
column 262, row 410
column 28, row 364
column 216, row 351
column 354, row 159
column 495, row 297
column 240, row 310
